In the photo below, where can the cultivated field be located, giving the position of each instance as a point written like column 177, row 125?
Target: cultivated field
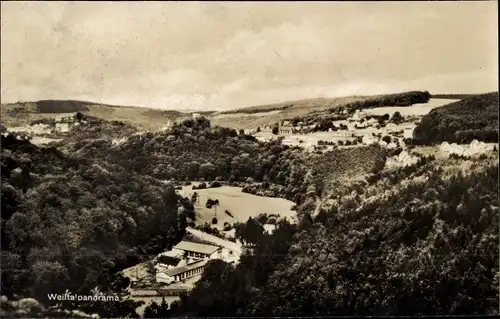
column 263, row 115
column 240, row 205
column 419, row 109
column 20, row 114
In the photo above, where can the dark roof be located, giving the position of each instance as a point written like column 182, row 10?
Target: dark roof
column 197, row 248
column 183, row 269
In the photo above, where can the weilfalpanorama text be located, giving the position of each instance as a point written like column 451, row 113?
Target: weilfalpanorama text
column 75, row 297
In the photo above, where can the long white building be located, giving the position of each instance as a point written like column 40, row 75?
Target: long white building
column 186, row 260
column 176, row 274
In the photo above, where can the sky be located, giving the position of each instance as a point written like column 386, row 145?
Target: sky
column 219, row 56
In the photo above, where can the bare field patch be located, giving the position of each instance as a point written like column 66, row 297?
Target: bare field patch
column 419, row 109
column 236, row 115
column 240, row 205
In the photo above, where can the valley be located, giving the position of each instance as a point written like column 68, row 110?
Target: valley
column 245, row 192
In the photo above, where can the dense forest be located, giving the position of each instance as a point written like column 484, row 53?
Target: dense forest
column 418, row 241
column 71, row 223
column 400, row 99
column 194, row 150
column 472, row 118
column 414, row 240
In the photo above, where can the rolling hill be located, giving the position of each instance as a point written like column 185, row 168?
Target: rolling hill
column 264, row 115
column 471, row 118
column 23, row 113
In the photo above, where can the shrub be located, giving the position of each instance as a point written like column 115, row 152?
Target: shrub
column 214, row 221
column 215, row 184
column 271, row 220
column 397, row 118
column 200, row 186
column 262, row 218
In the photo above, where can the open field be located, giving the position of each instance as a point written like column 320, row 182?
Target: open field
column 419, row 109
column 271, row 113
column 263, row 115
column 241, row 205
column 289, row 106
column 20, row 114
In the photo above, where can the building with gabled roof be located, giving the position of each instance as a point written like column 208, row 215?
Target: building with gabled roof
column 196, row 250
column 176, row 274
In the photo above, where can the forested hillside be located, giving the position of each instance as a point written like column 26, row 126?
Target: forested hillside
column 417, row 242
column 69, row 222
column 472, row 118
column 194, row 150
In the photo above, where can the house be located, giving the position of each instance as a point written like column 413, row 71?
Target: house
column 196, row 115
column 177, row 274
column 282, row 129
column 195, row 250
column 167, row 126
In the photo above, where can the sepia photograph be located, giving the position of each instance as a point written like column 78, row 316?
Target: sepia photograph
column 181, row 159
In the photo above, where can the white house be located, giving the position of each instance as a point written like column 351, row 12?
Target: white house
column 200, row 251
column 284, row 129
column 196, row 115
column 176, row 274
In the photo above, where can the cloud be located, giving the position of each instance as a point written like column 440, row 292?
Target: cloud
column 226, row 55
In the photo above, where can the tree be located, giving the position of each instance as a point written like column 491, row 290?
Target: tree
column 253, row 231
column 194, row 198
column 79, row 117
column 275, row 130
column 50, row 277
column 193, row 170
column 157, row 311
column 3, row 129
column 208, row 170
column 306, row 221
column 397, row 118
